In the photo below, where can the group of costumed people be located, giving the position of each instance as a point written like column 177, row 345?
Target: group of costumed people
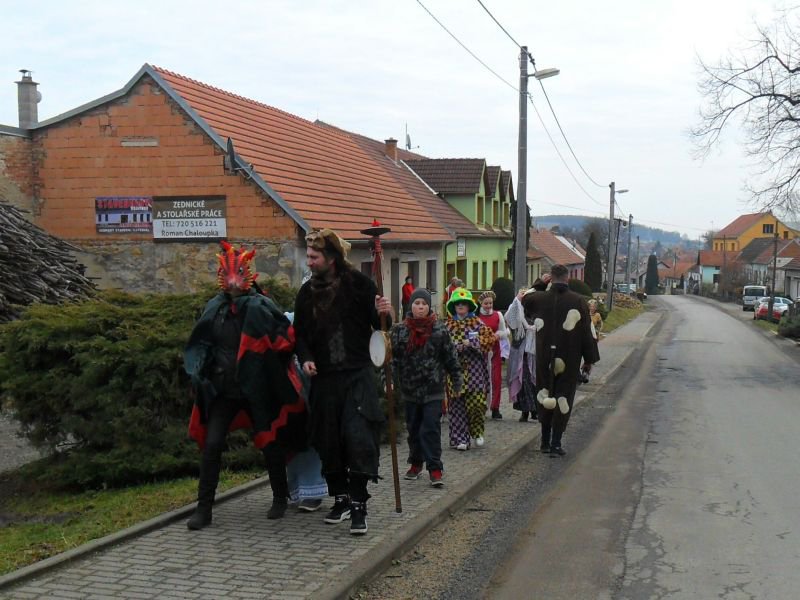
column 304, row 382
column 305, row 389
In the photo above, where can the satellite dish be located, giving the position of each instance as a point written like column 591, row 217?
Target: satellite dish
column 408, row 142
column 230, row 160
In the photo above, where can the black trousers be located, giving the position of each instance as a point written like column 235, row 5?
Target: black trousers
column 554, row 422
column 220, row 416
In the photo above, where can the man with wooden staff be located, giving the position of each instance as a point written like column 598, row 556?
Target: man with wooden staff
column 335, row 314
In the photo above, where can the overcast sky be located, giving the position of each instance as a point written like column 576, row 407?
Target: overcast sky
column 626, row 95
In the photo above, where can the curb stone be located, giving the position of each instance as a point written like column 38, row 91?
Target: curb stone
column 157, row 522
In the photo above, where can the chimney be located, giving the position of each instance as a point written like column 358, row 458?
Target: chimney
column 391, row 148
column 27, row 98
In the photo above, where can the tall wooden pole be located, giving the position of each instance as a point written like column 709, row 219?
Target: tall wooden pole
column 375, row 232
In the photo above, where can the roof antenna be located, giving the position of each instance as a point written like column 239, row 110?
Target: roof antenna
column 408, row 141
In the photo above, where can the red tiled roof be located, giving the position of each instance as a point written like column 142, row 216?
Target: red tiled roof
column 435, row 207
column 786, row 249
column 713, row 258
column 679, row 268
column 793, row 265
column 324, row 175
column 739, row 225
column 450, row 175
column 554, row 249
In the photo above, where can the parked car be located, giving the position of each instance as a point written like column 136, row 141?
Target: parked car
column 780, row 306
column 751, row 294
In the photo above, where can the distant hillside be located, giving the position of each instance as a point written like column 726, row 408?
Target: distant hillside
column 577, row 222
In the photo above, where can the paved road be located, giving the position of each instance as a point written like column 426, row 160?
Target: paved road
column 690, row 489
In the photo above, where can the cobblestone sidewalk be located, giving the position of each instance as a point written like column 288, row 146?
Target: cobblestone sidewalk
column 243, row 555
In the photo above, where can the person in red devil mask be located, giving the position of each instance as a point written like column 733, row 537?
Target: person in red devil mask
column 239, row 360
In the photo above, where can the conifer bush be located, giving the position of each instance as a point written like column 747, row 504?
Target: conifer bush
column 503, row 288
column 581, row 287
column 100, row 386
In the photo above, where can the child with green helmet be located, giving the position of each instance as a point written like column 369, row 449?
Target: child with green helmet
column 473, row 341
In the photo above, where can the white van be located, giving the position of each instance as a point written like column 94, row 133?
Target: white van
column 751, row 294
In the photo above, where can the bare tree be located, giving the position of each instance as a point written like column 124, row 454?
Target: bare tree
column 759, row 87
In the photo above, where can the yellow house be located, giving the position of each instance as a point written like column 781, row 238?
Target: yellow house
column 740, row 232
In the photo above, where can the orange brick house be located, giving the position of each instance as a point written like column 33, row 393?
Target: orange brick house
column 145, row 183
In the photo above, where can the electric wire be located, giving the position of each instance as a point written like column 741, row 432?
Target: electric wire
column 564, row 162
column 564, row 135
column 538, row 115
column 516, row 43
column 544, row 91
column 471, row 53
column 541, row 121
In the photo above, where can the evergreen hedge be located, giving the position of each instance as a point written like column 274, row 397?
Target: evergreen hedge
column 100, row 385
column 581, row 287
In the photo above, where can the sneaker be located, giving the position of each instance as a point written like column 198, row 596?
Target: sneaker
column 358, row 518
column 413, row 472
column 544, row 448
column 310, row 505
column 462, row 447
column 278, row 508
column 436, row 478
column 557, row 451
column 496, row 415
column 340, row 511
column 479, row 441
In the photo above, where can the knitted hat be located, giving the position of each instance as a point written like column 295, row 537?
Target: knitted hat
column 420, row 293
column 485, row 295
column 460, row 295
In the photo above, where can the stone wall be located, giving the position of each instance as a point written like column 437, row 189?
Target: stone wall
column 137, row 266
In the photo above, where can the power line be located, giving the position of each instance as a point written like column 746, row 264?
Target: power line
column 499, row 25
column 544, row 91
column 564, row 162
column 564, row 135
column 471, row 53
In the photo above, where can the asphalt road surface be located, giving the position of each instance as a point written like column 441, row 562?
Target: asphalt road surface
column 690, row 487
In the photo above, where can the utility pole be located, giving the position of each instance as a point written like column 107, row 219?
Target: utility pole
column 520, row 232
column 637, row 263
column 774, row 272
column 610, row 262
column 724, row 264
column 628, row 254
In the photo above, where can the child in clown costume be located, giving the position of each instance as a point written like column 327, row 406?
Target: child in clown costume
column 473, row 341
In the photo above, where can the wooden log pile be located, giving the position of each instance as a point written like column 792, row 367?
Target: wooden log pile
column 35, row 266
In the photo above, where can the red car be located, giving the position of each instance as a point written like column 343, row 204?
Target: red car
column 780, row 306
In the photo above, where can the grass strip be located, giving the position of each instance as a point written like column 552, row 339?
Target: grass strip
column 619, row 316
column 39, row 525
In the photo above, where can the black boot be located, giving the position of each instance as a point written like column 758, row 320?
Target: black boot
column 200, row 518
column 358, row 518
column 496, row 414
column 206, row 490
column 278, row 508
column 524, row 417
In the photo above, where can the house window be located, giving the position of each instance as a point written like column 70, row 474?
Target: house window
column 506, row 215
column 495, row 269
column 786, row 234
column 366, row 268
column 495, row 213
column 430, row 275
column 480, row 219
column 475, row 275
column 733, row 246
column 483, row 275
column 505, row 268
column 768, row 228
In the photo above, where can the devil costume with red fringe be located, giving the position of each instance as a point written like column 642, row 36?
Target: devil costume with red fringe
column 239, row 358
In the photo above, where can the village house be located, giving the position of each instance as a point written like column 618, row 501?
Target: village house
column 552, row 248
column 146, row 180
column 742, row 230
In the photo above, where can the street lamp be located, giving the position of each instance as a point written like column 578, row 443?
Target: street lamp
column 611, row 261
column 521, row 214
